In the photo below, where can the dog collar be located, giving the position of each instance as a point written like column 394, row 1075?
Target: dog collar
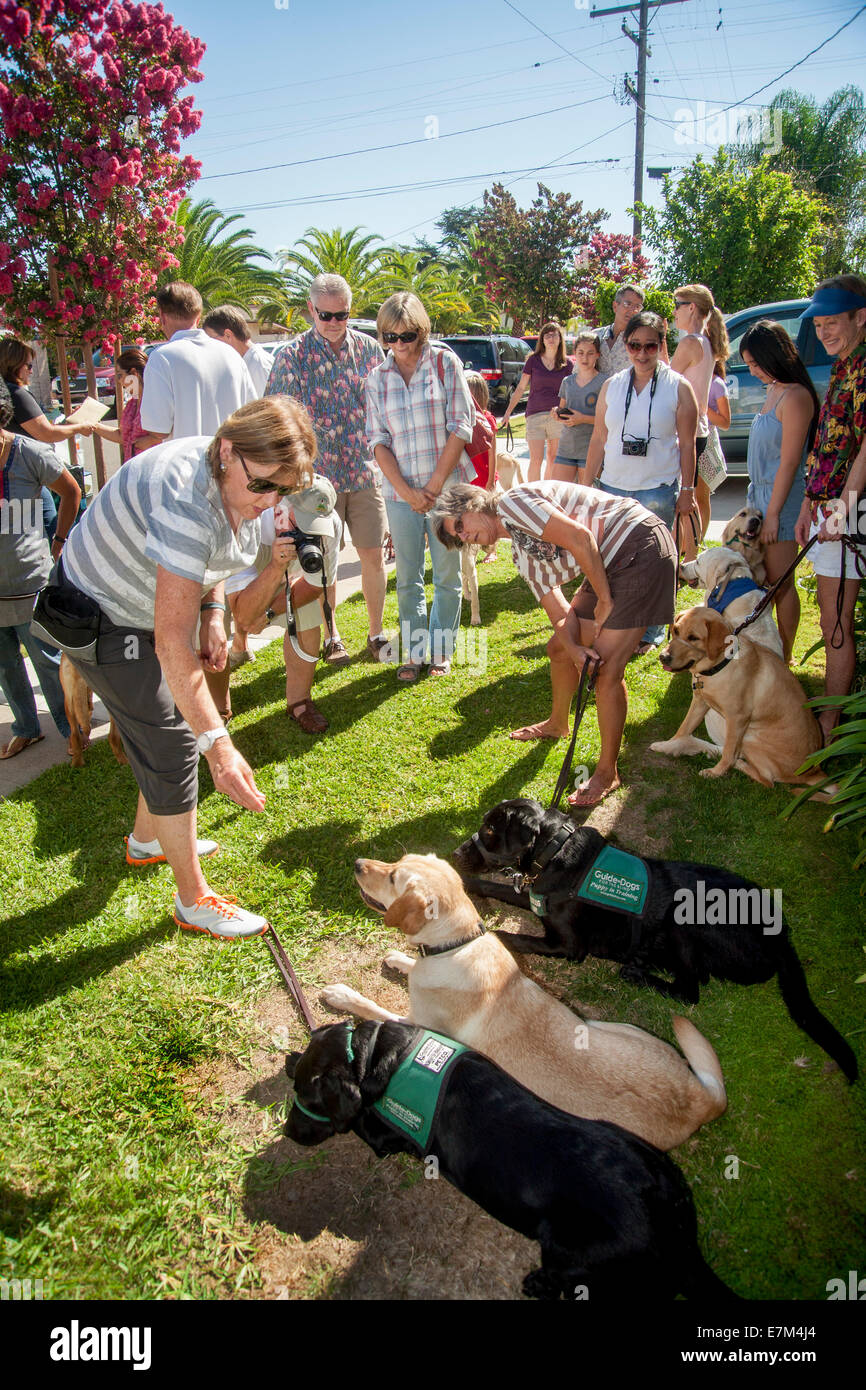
column 712, row 671
column 551, row 850
column 325, row 1119
column 451, row 945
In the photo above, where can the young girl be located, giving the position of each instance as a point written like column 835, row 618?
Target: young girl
column 578, row 396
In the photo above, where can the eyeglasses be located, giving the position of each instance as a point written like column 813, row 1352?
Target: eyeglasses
column 643, row 347
column 399, row 337
column 682, row 303
column 339, row 314
column 263, row 484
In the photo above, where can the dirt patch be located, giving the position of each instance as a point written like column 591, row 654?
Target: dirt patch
column 336, row 1222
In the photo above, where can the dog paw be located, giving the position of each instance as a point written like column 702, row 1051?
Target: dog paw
column 340, row 998
column 539, row 1284
column 711, row 772
column 398, row 960
column 663, row 746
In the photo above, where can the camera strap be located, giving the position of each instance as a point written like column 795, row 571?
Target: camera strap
column 628, row 395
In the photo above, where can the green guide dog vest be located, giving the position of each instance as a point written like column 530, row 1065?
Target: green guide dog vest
column 415, row 1091
column 618, row 880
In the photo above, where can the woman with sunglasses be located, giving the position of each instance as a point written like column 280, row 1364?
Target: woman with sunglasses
column 141, row 580
column 419, row 419
column 544, row 371
column 644, row 435
column 558, row 532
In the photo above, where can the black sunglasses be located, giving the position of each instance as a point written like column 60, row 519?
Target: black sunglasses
column 263, row 484
column 681, row 303
column 339, row 314
column 399, row 337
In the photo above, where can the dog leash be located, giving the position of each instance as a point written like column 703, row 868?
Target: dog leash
column 584, row 690
column 290, row 979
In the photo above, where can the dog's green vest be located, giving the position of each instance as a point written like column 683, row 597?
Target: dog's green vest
column 616, row 879
column 416, row 1089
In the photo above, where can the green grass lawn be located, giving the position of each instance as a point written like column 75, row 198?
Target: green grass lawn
column 123, row 1177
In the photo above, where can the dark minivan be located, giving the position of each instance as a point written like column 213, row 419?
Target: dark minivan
column 498, row 357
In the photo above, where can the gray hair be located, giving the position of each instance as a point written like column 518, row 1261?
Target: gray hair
column 459, row 500
column 331, row 284
column 629, row 289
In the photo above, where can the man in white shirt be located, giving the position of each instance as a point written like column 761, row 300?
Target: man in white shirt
column 191, row 384
column 227, row 325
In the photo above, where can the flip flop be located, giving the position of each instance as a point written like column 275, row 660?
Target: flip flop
column 17, row 745
column 516, row 734
column 574, row 799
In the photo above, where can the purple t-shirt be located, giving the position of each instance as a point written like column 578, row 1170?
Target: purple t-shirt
column 544, row 385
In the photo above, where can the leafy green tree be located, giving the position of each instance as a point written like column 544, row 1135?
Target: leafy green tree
column 751, row 235
column 222, row 264
column 357, row 258
column 823, row 148
column 528, row 253
column 656, row 300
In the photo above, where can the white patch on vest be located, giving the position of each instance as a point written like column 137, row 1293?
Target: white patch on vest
column 433, row 1055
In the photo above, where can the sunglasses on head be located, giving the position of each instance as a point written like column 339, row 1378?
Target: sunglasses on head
column 327, row 314
column 399, row 337
column 643, row 347
column 263, row 484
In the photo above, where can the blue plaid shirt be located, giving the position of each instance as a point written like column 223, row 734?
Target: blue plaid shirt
column 330, row 384
column 415, row 421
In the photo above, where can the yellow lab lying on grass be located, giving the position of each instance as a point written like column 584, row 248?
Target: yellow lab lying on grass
column 470, row 987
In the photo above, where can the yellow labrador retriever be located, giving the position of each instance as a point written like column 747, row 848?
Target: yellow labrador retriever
column 721, row 571
column 754, row 707
column 743, row 533
column 467, row 985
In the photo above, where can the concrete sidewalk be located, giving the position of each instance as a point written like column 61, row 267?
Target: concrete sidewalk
column 17, row 772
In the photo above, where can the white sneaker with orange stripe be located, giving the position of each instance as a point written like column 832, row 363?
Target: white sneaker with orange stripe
column 140, row 852
column 220, row 916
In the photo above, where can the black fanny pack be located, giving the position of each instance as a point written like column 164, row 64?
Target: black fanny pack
column 66, row 618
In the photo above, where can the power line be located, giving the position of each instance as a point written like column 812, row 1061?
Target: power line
column 588, row 66
column 810, row 54
column 402, row 144
column 387, row 190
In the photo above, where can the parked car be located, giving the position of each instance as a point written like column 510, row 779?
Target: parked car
column 746, row 392
column 78, row 386
column 498, row 357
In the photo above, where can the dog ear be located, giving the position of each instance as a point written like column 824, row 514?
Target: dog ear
column 718, row 633
column 408, row 913
column 292, row 1060
column 341, row 1098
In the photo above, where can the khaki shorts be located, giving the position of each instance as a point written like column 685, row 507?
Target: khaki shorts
column 364, row 514
column 543, row 426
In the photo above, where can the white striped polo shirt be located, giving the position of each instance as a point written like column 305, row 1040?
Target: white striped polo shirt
column 162, row 508
column 526, row 510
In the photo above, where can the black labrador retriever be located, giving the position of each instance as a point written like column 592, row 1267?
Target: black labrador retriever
column 692, row 922
column 614, row 1216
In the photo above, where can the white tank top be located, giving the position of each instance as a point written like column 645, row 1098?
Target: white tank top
column 699, row 376
column 660, row 466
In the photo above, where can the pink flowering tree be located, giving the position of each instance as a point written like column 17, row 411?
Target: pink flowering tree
column 608, row 256
column 90, row 169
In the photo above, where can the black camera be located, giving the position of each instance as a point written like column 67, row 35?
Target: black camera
column 308, row 549
column 634, row 448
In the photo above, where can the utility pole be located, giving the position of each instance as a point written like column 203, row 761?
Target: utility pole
column 638, row 96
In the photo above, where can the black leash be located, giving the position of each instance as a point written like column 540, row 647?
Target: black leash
column 767, row 597
column 584, row 690
column 290, row 979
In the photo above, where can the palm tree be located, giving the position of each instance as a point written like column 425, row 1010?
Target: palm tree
column 221, row 264
column 357, row 258
column 824, row 149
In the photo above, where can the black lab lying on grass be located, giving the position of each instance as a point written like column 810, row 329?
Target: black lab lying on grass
column 553, row 856
column 614, row 1216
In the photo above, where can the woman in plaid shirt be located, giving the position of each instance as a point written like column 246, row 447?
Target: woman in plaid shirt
column 419, row 417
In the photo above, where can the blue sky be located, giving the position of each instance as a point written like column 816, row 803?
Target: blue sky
column 312, row 84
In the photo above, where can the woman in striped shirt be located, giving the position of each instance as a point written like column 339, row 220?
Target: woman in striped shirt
column 559, row 531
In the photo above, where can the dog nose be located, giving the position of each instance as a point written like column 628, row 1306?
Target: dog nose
column 359, row 866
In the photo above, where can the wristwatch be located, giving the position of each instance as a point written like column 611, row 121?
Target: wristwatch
column 207, row 740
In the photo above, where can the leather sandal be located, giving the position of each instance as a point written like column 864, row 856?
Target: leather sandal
column 409, row 673
column 311, row 720
column 17, row 744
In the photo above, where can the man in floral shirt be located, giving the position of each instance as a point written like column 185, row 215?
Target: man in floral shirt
column 325, row 369
column 836, row 476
